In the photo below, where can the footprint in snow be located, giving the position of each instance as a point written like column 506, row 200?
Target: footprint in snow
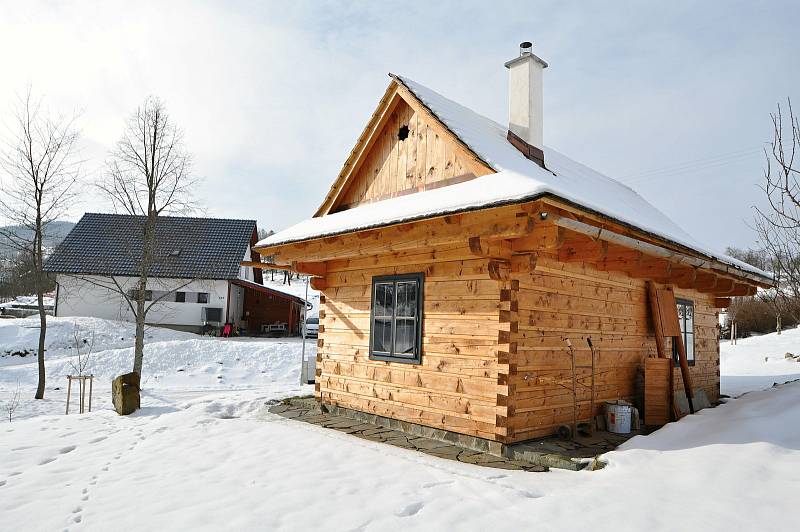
column 97, row 440
column 2, row 483
column 47, row 461
column 67, row 449
column 434, row 484
column 411, row 509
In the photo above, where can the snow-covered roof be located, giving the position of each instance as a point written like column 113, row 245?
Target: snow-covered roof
column 517, row 179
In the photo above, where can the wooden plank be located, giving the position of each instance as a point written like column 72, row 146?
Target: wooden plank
column 657, row 391
column 667, row 307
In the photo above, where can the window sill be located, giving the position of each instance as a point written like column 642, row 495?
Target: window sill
column 402, row 360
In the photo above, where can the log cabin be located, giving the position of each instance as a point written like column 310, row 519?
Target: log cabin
column 462, row 264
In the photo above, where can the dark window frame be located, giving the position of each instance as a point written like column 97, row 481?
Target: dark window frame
column 200, row 296
column 180, row 297
column 391, row 356
column 685, row 334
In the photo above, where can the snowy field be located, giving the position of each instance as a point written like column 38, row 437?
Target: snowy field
column 204, row 454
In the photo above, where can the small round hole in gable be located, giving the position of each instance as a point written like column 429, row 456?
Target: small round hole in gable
column 402, row 134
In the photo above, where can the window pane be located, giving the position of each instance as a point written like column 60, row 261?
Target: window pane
column 689, row 313
column 384, row 299
column 202, row 297
column 689, row 346
column 407, row 298
column 382, row 335
column 405, row 336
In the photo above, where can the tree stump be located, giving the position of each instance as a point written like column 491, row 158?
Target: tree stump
column 125, row 393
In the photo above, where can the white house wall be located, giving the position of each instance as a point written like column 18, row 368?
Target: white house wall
column 83, row 297
column 246, row 272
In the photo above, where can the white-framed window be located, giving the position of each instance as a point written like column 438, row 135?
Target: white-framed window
column 686, row 321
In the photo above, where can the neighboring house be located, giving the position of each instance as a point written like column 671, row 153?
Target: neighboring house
column 197, row 274
column 456, row 257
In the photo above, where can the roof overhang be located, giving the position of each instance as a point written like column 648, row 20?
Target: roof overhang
column 729, row 269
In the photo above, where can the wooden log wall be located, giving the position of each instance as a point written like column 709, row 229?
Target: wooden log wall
column 558, row 300
column 456, row 386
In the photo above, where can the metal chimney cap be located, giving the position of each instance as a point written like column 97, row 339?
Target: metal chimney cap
column 526, row 54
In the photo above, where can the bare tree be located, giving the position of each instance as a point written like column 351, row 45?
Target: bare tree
column 13, row 403
column 779, row 225
column 148, row 175
column 83, row 351
column 40, row 166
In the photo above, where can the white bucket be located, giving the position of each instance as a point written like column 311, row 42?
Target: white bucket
column 618, row 417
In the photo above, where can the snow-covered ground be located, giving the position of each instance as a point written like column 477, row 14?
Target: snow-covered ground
column 204, row 454
column 25, row 301
column 758, row 362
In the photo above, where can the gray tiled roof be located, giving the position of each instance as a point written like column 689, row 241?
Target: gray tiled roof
column 188, row 248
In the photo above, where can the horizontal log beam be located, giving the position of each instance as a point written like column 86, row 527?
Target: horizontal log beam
column 738, row 289
column 497, row 224
column 318, row 283
column 722, row 302
column 500, row 270
column 493, row 249
column 317, row 269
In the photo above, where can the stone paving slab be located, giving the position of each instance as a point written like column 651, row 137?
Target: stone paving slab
column 308, row 410
column 537, row 455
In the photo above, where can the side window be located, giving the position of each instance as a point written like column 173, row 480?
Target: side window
column 202, row 297
column 686, row 320
column 396, row 324
column 180, row 297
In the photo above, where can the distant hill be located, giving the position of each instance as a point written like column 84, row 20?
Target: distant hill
column 56, row 231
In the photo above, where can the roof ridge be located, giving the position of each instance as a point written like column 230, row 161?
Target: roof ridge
column 169, row 216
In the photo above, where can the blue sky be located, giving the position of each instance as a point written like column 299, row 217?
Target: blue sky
column 670, row 97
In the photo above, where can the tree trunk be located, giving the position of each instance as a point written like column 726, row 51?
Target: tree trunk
column 778, row 324
column 138, row 349
column 38, row 256
column 141, row 311
column 42, row 336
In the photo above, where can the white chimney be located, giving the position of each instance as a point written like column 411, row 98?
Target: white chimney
column 525, row 102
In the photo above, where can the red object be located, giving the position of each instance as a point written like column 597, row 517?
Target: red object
column 226, row 331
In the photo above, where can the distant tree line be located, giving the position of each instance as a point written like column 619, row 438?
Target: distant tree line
column 18, row 278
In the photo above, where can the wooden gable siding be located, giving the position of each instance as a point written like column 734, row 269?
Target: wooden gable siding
column 430, row 154
column 558, row 300
column 395, row 167
column 456, row 386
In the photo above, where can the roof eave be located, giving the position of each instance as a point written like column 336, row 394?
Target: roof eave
column 525, row 199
